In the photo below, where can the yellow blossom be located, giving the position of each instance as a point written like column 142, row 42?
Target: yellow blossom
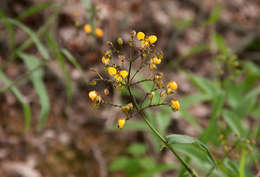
column 105, row 60
column 99, row 32
column 140, row 36
column 175, row 105
column 152, row 66
column 124, row 73
column 173, row 85
column 156, row 60
column 118, row 78
column 87, row 28
column 121, row 122
column 145, row 43
column 152, row 39
column 112, row 71
column 92, row 95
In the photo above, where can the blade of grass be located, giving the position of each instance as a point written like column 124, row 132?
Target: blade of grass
column 20, row 98
column 37, row 79
column 55, row 49
column 32, row 35
column 33, row 10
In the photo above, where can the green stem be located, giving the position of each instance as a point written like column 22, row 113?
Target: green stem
column 142, row 114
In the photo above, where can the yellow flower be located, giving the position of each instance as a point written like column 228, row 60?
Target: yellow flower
column 112, row 71
column 87, row 28
column 124, row 73
column 92, row 95
column 145, row 43
column 173, row 85
column 140, row 36
column 121, row 122
column 175, row 105
column 99, row 32
column 105, row 60
column 152, row 39
column 76, row 14
column 118, row 78
column 156, row 60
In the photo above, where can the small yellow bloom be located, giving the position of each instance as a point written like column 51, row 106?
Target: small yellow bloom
column 156, row 60
column 121, row 122
column 175, row 105
column 173, row 85
column 152, row 66
column 99, row 32
column 145, row 43
column 118, row 78
column 152, row 39
column 76, row 14
column 112, row 71
column 87, row 28
column 92, row 95
column 105, row 60
column 140, row 36
column 124, row 73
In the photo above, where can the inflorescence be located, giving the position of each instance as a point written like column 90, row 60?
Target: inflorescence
column 119, row 67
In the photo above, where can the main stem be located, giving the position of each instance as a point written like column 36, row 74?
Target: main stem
column 142, row 114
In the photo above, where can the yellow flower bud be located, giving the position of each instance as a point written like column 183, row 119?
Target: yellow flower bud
column 152, row 66
column 152, row 39
column 121, row 122
column 175, row 105
column 127, row 107
column 123, row 73
column 105, row 60
column 151, row 95
column 87, row 28
column 156, row 60
column 112, row 71
column 173, row 85
column 92, row 95
column 99, row 32
column 140, row 36
column 162, row 93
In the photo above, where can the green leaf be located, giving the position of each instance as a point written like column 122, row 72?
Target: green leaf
column 137, row 149
column 10, row 29
column 55, row 49
column 234, row 122
column 119, row 164
column 32, row 35
column 214, row 16
column 247, row 103
column 220, row 42
column 157, row 169
column 20, row 97
column 188, row 101
column 211, row 132
column 32, row 63
column 71, row 58
column 187, row 140
column 34, row 9
column 204, row 85
column 229, row 168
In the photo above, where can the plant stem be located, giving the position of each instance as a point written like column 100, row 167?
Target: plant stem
column 142, row 114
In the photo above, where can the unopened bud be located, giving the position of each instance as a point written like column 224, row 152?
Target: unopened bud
column 120, row 41
column 151, row 95
column 133, row 33
column 162, row 93
column 109, row 43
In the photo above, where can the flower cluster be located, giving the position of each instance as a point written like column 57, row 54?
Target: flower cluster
column 122, row 75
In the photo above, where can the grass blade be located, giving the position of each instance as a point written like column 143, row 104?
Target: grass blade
column 37, row 79
column 20, row 97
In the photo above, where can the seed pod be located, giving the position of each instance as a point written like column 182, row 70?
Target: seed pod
column 106, row 92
